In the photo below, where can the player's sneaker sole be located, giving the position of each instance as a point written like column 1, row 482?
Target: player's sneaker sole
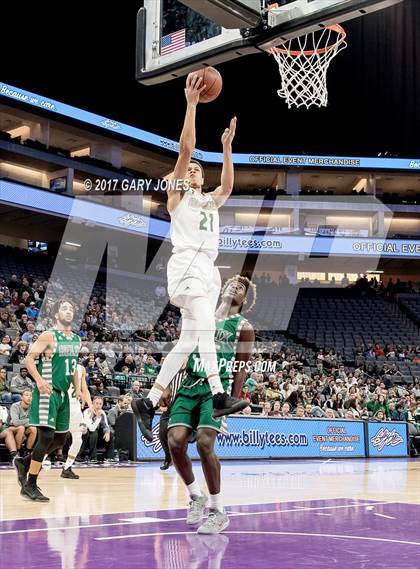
column 230, row 410
column 144, row 415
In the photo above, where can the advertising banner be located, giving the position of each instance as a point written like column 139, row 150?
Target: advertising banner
column 255, row 437
column 387, row 439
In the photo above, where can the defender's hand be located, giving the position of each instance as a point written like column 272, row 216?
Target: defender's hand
column 229, row 134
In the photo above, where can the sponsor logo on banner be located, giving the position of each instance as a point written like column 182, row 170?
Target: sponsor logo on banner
column 155, row 444
column 108, row 123
column 132, row 220
column 384, row 437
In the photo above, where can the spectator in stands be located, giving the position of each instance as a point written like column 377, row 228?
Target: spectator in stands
column 286, row 389
column 273, row 392
column 98, row 431
column 102, row 365
column 39, row 295
column 32, row 311
column 276, row 412
column 258, row 396
column 19, row 353
column 329, row 414
column 21, row 382
column 354, row 406
column 140, row 358
column 378, row 405
column 398, row 414
column 5, row 395
column 128, row 361
column 30, row 333
column 6, row 434
column 308, row 410
column 19, row 422
column 379, row 351
column 266, row 410
column 5, row 346
column 83, row 332
column 296, row 398
column 349, row 415
column 118, row 409
column 247, row 411
column 251, row 382
column 135, row 391
column 14, row 283
column 150, row 367
column 379, row 415
column 92, row 370
column 14, row 298
column 285, row 411
column 300, row 412
column 14, row 323
column 99, row 390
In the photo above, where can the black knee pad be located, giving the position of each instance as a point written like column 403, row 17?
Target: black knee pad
column 44, row 440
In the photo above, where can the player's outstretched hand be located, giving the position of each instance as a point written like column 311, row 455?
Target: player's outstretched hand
column 229, row 133
column 193, row 88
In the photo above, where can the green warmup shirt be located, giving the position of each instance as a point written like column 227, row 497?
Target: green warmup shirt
column 226, row 338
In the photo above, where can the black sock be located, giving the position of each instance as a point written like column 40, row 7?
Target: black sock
column 27, row 460
column 32, row 478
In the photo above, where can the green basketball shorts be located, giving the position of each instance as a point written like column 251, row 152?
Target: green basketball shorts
column 193, row 406
column 51, row 411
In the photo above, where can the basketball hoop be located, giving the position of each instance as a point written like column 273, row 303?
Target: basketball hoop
column 303, row 63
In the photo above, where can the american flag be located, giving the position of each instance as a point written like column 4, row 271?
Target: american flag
column 172, row 42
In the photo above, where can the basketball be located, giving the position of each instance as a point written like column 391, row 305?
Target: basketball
column 212, row 78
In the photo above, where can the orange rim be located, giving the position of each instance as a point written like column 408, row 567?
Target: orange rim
column 335, row 28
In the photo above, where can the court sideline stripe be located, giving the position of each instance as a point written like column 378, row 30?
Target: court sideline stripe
column 302, row 534
column 34, row 530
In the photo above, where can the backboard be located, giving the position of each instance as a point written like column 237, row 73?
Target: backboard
column 173, row 39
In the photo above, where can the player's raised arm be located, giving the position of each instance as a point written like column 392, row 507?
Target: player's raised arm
column 243, row 353
column 193, row 89
column 43, row 343
column 221, row 194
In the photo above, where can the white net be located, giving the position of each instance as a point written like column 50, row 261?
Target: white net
column 303, row 64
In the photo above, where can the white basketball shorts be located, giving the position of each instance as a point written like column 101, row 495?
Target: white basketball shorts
column 192, row 274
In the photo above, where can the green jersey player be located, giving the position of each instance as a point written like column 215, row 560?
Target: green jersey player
column 56, row 352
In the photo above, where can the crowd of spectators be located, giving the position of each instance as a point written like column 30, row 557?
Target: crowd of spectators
column 330, row 391
column 126, row 356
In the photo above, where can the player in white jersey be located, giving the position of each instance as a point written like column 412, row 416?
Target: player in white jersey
column 76, row 423
column 193, row 280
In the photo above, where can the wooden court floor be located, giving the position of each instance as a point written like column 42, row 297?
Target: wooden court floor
column 144, row 487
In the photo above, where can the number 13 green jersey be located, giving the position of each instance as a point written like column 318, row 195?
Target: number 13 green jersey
column 59, row 370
